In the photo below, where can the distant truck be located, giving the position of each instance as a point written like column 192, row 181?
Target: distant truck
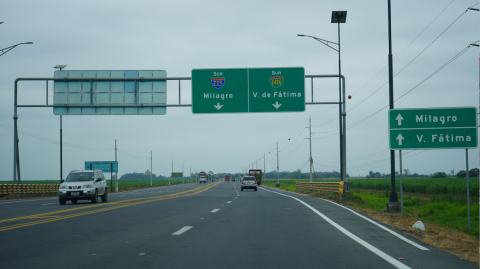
column 202, row 177
column 257, row 173
column 227, row 177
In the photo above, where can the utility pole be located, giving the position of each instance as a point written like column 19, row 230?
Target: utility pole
column 256, row 161
column 116, row 173
column 311, row 159
column 61, row 152
column 190, row 181
column 278, row 165
column 151, row 169
column 264, row 163
column 171, row 174
column 183, row 176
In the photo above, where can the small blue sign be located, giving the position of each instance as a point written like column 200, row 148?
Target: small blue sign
column 104, row 166
column 218, row 82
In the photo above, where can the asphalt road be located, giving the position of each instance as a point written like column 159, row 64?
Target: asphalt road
column 212, row 225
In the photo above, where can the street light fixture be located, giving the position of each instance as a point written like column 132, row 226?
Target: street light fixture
column 5, row 50
column 338, row 17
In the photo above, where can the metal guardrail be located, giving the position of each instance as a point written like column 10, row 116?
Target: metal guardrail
column 28, row 188
column 337, row 187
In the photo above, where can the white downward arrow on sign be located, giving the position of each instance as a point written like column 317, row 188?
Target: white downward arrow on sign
column 400, row 138
column 276, row 105
column 218, row 106
column 399, row 118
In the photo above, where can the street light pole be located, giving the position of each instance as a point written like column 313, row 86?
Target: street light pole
column 278, row 164
column 392, row 205
column 339, row 17
column 61, row 66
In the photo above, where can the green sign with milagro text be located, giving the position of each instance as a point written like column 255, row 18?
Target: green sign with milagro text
column 433, row 128
column 277, row 89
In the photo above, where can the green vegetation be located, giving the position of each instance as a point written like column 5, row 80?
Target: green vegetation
column 447, row 210
column 122, row 183
column 441, row 201
column 456, row 186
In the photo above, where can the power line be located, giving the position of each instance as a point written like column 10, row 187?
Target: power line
column 408, row 64
column 403, row 95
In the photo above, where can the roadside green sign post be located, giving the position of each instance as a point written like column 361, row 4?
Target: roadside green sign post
column 177, row 174
column 433, row 128
column 248, row 90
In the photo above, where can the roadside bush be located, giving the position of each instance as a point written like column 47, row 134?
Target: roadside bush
column 439, row 175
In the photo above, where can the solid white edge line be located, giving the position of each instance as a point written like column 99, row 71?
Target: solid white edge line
column 181, row 231
column 384, row 228
column 229, row 202
column 373, row 249
column 215, row 210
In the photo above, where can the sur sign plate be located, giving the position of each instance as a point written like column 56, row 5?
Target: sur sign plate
column 276, row 89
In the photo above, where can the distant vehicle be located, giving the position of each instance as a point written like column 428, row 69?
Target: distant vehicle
column 227, row 178
column 202, row 177
column 233, row 179
column 83, row 185
column 249, row 182
column 257, row 173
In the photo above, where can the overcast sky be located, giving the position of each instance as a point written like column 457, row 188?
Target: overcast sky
column 178, row 36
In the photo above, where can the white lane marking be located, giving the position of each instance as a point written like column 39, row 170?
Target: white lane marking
column 384, row 228
column 229, row 202
column 49, row 204
column 373, row 249
column 236, row 197
column 181, row 231
column 215, row 210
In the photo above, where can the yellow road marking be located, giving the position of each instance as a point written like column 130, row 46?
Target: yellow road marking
column 98, row 205
column 119, row 204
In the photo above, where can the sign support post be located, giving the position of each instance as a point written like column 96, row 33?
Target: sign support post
column 111, row 177
column 468, row 189
column 401, row 183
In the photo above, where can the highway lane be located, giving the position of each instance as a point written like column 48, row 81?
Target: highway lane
column 212, row 225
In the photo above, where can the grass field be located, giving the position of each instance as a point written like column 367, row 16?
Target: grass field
column 440, row 201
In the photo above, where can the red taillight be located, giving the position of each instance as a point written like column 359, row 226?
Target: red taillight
column 255, row 182
column 242, row 181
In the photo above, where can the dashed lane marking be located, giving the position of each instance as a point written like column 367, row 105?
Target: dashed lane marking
column 181, row 231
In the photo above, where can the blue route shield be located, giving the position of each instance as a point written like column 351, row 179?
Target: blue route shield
column 218, row 82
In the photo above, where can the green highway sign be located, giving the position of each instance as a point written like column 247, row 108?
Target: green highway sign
column 433, row 128
column 177, row 174
column 277, row 89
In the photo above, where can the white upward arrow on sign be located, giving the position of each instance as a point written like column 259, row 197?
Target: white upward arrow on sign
column 218, row 106
column 399, row 118
column 400, row 138
column 276, row 105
